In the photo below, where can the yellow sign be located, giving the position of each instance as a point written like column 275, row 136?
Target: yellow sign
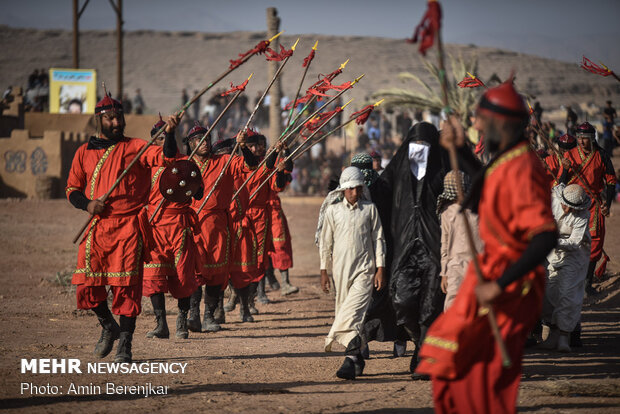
column 73, row 91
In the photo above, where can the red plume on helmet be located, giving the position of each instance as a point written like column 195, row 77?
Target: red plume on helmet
column 107, row 104
column 157, row 126
column 585, row 129
column 197, row 130
column 503, row 101
column 566, row 142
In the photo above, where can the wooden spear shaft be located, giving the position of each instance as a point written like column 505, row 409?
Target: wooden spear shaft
column 244, row 130
column 161, row 130
column 202, row 139
column 301, row 83
column 506, row 362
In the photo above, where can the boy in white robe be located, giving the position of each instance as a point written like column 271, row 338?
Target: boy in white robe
column 351, row 239
column 568, row 265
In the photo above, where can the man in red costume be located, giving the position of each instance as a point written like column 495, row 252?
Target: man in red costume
column 281, row 246
column 512, row 198
column 588, row 162
column 565, row 143
column 252, row 225
column 173, row 258
column 111, row 251
column 216, row 237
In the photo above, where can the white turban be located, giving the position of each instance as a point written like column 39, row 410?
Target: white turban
column 351, row 177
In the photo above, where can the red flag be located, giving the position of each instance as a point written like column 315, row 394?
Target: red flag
column 592, row 67
column 312, row 125
column 277, row 57
column 363, row 114
column 470, row 82
column 308, row 59
column 319, row 88
column 602, row 267
column 260, row 48
column 428, row 27
column 236, row 88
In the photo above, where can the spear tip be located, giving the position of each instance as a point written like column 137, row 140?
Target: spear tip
column 344, row 64
column 344, row 106
column 315, row 45
column 358, row 79
column 471, row 76
column 251, row 74
column 276, row 36
column 379, row 102
column 295, row 45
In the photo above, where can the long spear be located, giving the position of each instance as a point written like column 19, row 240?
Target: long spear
column 240, row 90
column 242, row 133
column 284, row 138
column 258, row 49
column 434, row 14
column 307, row 62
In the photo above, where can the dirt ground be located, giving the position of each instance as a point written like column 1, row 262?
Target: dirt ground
column 274, row 365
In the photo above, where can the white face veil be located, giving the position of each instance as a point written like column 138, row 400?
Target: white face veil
column 418, row 158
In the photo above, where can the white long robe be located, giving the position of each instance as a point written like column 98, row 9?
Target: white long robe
column 352, row 240
column 568, row 265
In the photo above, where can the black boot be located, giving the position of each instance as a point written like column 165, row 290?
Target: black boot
column 271, row 276
column 244, row 294
column 212, row 298
column 123, row 351
column 287, row 288
column 110, row 330
column 252, row 297
column 219, row 315
column 261, row 296
column 193, row 322
column 182, row 331
column 161, row 330
column 354, row 350
column 233, row 300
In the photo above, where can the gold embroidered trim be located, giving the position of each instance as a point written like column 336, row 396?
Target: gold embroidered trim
column 87, row 270
column 70, row 189
column 253, row 262
column 177, row 257
column 158, row 265
column 216, row 265
column 262, row 245
column 442, row 343
column 93, row 179
column 154, row 179
column 514, row 153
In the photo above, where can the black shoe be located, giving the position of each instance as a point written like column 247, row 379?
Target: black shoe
column 575, row 338
column 359, row 366
column 246, row 316
column 182, row 331
column 271, row 279
column 413, row 364
column 161, row 329
column 347, row 370
column 233, row 300
column 110, row 332
column 420, row 377
column 123, row 352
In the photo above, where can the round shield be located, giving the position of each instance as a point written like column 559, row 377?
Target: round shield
column 180, row 181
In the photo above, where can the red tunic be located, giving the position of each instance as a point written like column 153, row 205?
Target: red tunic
column 172, row 260
column 554, row 168
column 215, row 221
column 459, row 351
column 111, row 250
column 281, row 249
column 598, row 173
